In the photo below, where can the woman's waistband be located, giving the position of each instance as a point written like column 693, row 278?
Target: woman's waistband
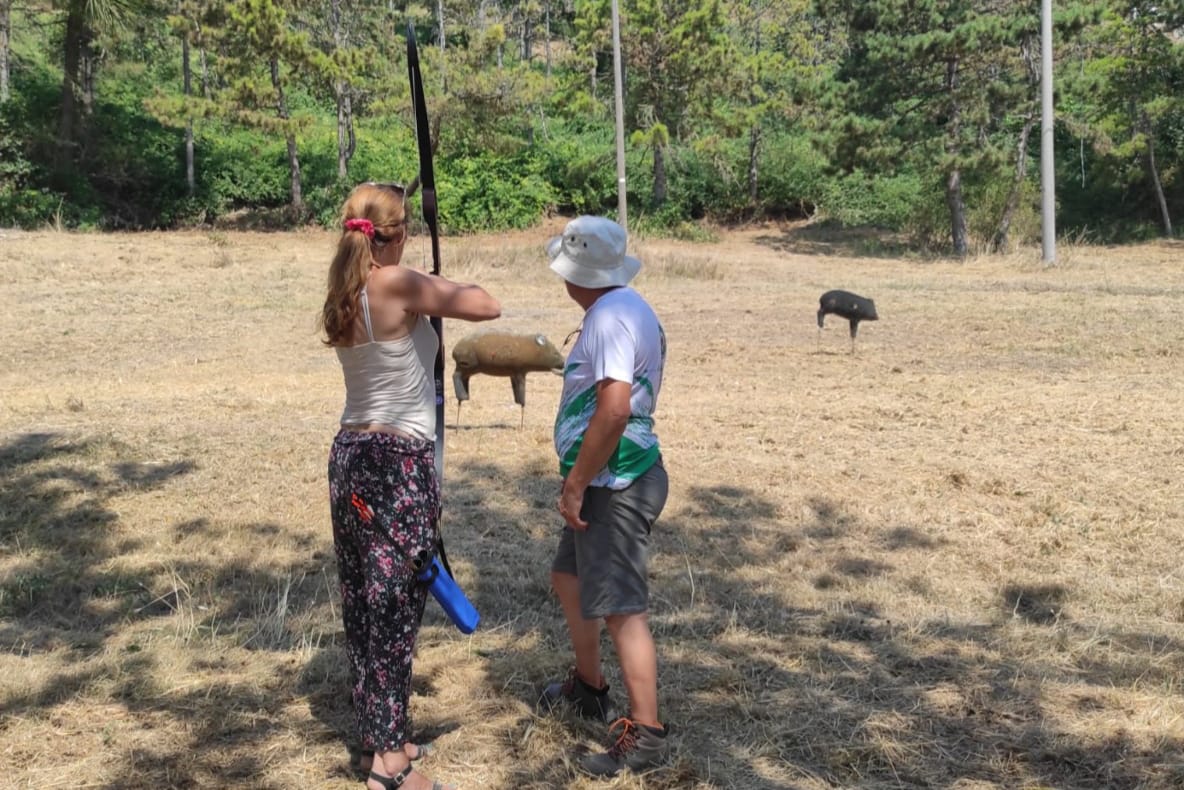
column 384, row 434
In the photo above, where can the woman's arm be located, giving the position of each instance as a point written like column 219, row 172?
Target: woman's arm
column 430, row 294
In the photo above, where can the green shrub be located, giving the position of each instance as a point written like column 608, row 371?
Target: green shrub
column 700, row 181
column 241, row 168
column 134, row 171
column 24, row 202
column 581, row 167
column 985, row 204
column 486, row 192
column 791, row 175
column 860, row 198
column 30, row 208
column 668, row 223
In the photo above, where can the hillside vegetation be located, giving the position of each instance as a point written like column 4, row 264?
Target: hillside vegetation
column 916, row 117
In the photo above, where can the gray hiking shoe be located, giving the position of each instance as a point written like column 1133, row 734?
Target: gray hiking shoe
column 588, row 701
column 638, row 748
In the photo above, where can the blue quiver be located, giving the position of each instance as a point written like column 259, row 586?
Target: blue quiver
column 450, row 596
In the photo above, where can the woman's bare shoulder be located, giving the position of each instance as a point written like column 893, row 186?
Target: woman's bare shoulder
column 395, row 280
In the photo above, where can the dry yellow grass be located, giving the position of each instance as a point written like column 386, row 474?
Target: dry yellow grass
column 951, row 560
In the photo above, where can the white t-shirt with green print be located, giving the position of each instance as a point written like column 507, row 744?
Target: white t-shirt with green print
column 621, row 339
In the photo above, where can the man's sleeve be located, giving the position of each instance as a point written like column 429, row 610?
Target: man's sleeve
column 613, row 349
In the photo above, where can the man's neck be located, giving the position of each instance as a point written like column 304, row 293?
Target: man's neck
column 586, row 297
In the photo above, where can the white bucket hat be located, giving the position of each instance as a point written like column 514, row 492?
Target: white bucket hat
column 591, row 254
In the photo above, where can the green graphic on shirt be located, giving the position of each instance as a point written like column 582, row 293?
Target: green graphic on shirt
column 584, row 403
column 624, row 340
column 629, row 460
column 649, row 388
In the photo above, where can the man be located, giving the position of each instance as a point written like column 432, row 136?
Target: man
column 614, row 488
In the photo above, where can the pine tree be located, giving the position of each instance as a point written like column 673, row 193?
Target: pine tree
column 676, row 52
column 83, row 21
column 1133, row 89
column 921, row 83
column 778, row 55
column 261, row 57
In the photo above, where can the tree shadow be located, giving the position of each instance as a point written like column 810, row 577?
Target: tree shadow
column 324, row 681
column 64, row 591
column 763, row 689
column 1039, row 604
column 55, row 526
column 772, row 695
column 831, row 521
column 832, row 239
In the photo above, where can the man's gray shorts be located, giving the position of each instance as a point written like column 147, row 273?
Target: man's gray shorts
column 610, row 557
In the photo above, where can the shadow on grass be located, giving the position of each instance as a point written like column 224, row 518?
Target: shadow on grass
column 64, row 591
column 763, row 693
column 832, row 239
column 55, row 527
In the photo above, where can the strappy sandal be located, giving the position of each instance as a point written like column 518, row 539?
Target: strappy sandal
column 422, row 750
column 391, row 782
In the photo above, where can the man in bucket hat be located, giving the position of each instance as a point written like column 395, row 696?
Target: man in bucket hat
column 614, row 488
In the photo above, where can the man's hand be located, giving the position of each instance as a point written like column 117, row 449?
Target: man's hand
column 571, row 502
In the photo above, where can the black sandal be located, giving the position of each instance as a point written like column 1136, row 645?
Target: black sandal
column 422, row 750
column 391, row 782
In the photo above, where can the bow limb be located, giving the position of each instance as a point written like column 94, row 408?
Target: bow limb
column 427, row 186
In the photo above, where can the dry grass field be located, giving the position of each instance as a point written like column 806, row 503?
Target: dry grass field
column 951, row 560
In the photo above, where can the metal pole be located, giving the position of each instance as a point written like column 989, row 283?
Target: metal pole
column 1048, row 214
column 619, row 90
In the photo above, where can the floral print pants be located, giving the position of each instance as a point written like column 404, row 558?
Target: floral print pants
column 384, row 501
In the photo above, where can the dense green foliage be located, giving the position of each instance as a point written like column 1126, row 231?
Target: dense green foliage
column 919, row 116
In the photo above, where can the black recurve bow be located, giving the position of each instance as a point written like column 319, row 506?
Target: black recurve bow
column 426, row 181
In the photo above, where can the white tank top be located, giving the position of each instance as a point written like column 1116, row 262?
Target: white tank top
column 388, row 381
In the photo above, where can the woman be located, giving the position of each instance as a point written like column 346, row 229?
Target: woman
column 383, row 492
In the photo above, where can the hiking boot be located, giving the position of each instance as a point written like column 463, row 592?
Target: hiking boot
column 588, row 701
column 638, row 748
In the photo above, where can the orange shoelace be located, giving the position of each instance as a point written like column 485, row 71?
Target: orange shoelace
column 626, row 741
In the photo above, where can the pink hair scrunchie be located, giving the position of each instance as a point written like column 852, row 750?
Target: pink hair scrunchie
column 364, row 225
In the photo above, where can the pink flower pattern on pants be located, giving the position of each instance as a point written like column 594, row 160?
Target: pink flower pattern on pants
column 384, row 500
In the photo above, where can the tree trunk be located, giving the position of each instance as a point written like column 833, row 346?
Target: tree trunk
column 75, row 34
column 754, row 147
column 281, row 105
column 1001, row 243
column 440, row 18
column 957, row 206
column 547, row 32
column 754, row 132
column 89, row 67
column 5, row 34
column 187, row 87
column 1155, row 181
column 294, row 167
column 659, row 175
column 527, row 37
column 347, row 142
column 954, row 199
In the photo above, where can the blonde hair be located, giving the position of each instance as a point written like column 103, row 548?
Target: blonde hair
column 383, row 205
